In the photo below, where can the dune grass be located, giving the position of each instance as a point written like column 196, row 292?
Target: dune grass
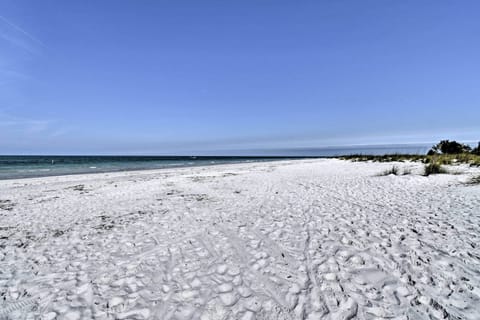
column 383, row 158
column 433, row 168
column 472, row 159
column 441, row 159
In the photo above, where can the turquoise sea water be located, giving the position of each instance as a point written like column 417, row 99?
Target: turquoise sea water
column 12, row 167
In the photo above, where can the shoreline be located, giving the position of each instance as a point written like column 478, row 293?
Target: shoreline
column 157, row 170
column 267, row 159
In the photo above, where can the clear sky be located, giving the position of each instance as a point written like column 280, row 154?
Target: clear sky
column 156, row 77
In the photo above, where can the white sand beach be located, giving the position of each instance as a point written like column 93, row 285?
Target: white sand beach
column 302, row 239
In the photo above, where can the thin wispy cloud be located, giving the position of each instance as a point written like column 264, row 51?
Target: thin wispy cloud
column 18, row 49
column 14, row 125
column 20, row 30
column 15, row 74
column 31, row 125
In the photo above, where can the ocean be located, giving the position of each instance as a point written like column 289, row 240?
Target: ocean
column 12, row 167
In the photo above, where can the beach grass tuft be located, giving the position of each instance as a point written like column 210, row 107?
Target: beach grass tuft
column 433, row 168
column 393, row 170
column 474, row 180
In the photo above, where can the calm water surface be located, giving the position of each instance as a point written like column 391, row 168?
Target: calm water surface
column 12, row 167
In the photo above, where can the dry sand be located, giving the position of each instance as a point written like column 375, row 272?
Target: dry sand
column 306, row 239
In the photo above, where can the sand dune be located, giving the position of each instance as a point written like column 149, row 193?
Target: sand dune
column 305, row 239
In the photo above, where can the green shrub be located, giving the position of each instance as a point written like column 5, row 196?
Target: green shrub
column 449, row 147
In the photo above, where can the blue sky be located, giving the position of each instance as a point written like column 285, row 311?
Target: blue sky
column 157, row 77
